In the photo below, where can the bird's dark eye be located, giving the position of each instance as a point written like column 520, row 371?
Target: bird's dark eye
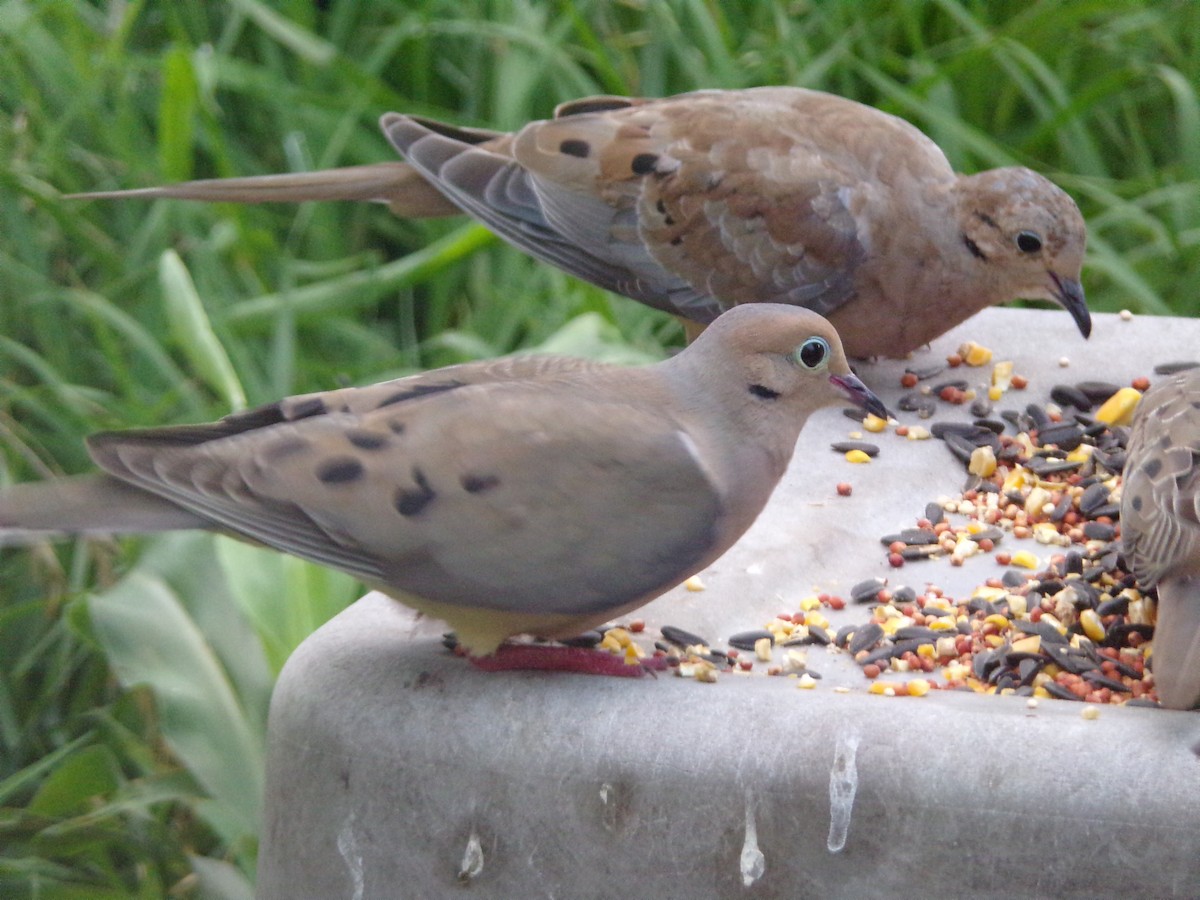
column 813, row 353
column 1029, row 242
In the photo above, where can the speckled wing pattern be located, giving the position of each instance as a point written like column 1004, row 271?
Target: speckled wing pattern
column 462, row 493
column 1160, row 528
column 674, row 202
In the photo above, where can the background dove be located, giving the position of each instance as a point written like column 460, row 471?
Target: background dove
column 701, row 201
column 528, row 495
column 1160, row 528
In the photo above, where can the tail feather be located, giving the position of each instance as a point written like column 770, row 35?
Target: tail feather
column 88, row 504
column 1176, row 657
column 397, row 184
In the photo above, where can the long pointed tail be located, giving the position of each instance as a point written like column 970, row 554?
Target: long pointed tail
column 87, row 504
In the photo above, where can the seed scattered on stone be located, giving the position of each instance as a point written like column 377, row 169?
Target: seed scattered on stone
column 681, row 638
column 694, row 584
column 746, row 640
column 858, row 456
column 1125, row 315
column 1172, row 368
column 1090, row 712
column 863, row 446
column 844, row 489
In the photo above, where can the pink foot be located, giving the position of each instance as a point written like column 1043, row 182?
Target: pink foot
column 558, row 658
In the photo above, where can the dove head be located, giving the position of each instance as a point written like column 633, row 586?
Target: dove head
column 771, row 356
column 1029, row 234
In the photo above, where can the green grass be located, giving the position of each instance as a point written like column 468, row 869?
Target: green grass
column 113, row 782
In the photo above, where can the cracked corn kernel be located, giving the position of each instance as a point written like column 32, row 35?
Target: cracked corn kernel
column 694, row 584
column 806, row 681
column 881, row 688
column 918, row 687
column 857, row 456
column 1090, row 712
column 762, row 649
column 974, row 354
column 1092, row 626
column 808, row 604
column 1024, row 559
column 1118, row 409
column 874, row 424
column 983, row 462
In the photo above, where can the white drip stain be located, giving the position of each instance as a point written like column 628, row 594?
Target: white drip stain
column 347, row 844
column 752, row 861
column 843, row 784
column 472, row 861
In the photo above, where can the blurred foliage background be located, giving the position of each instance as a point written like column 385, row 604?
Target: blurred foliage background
column 135, row 676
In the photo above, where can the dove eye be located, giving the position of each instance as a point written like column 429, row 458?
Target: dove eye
column 813, row 353
column 1029, row 242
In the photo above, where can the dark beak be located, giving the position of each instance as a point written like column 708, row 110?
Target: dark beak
column 860, row 394
column 1069, row 293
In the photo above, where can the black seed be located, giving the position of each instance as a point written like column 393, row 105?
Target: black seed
column 846, row 446
column 926, row 371
column 644, row 163
column 573, row 147
column 981, row 407
column 1041, row 465
column 816, row 635
column 339, row 470
column 1142, row 701
column 1092, row 499
column 410, row 501
column 960, row 446
column 1099, row 531
column 1012, row 578
column 903, row 594
column 959, row 383
column 745, row 640
column 1065, row 395
column 1068, row 658
column 1073, row 562
column 1173, row 367
column 934, row 513
column 853, row 412
column 1110, row 510
column 911, row 536
column 865, row 637
column 586, row 639
column 1054, row 689
column 843, row 635
column 918, row 403
column 681, row 638
column 995, row 426
column 990, row 533
column 1060, row 511
column 927, row 551
column 1117, row 606
column 366, row 440
column 1097, row 391
column 983, row 662
column 867, row 591
column 917, row 633
column 1104, row 681
column 477, row 484
column 1038, row 416
column 889, row 651
column 1065, row 435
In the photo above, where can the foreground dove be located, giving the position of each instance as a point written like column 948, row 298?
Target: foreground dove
column 698, row 202
column 525, row 495
column 1160, row 528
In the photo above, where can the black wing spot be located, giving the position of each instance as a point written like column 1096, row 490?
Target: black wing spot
column 1152, row 467
column 366, row 440
column 1137, row 504
column 411, row 501
column 644, row 163
column 312, row 406
column 477, row 484
column 339, row 470
column 575, row 147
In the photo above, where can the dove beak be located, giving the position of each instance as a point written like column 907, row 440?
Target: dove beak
column 1069, row 293
column 860, row 394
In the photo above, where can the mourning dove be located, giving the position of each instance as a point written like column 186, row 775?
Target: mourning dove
column 525, row 495
column 1160, row 528
column 695, row 203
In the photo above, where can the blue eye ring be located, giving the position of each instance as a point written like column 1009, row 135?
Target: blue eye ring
column 813, row 354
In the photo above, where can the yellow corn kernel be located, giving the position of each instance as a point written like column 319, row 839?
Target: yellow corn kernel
column 991, row 594
column 1054, row 623
column 610, row 643
column 983, row 462
column 999, row 621
column 1092, row 626
column 881, row 688
column 918, row 433
column 1025, row 560
column 1002, row 375
column 955, row 672
column 945, row 647
column 694, row 584
column 1015, row 480
column 857, row 456
column 1041, row 693
column 762, row 649
column 1118, row 409
column 993, row 640
column 918, row 687
column 974, row 354
column 808, row 604
column 1016, row 606
column 874, row 424
column 806, row 681
column 1029, row 644
column 633, row 655
column 1089, row 712
column 815, row 618
column 927, row 651
column 942, row 623
column 706, row 674
column 1082, row 453
column 995, row 393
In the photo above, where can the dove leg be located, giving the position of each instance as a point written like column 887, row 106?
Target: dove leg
column 560, row 658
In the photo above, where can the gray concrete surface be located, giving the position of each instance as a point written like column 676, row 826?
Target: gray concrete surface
column 395, row 770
